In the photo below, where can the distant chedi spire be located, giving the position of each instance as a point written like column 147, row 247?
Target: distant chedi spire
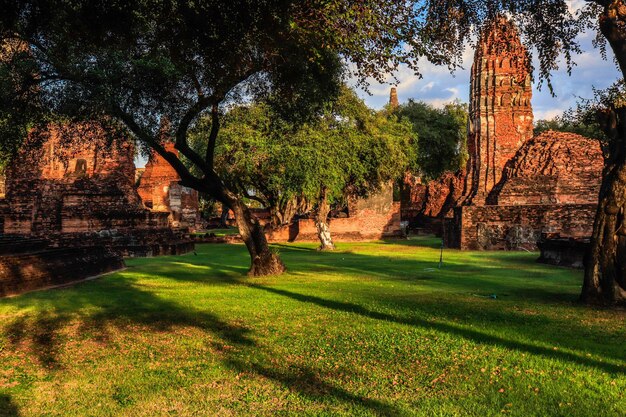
column 393, row 98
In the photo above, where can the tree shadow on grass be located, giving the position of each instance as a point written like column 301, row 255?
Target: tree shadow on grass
column 307, row 383
column 514, row 311
column 431, row 242
column 42, row 333
column 472, row 335
column 7, row 407
column 457, row 275
column 293, row 248
column 124, row 305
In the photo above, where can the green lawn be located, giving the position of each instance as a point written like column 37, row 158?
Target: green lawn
column 372, row 329
column 231, row 231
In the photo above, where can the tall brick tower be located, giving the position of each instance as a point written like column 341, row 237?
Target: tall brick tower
column 393, row 98
column 500, row 113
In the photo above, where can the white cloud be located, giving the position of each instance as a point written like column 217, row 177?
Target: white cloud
column 548, row 114
column 575, row 5
column 439, row 87
column 428, row 86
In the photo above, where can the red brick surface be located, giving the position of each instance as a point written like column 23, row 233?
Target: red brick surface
column 372, row 218
column 366, row 225
column 70, row 184
column 500, row 113
column 72, row 187
column 435, row 199
column 160, row 190
column 519, row 187
column 516, row 227
column 552, row 168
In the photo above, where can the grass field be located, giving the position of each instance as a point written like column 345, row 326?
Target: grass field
column 231, row 231
column 372, row 329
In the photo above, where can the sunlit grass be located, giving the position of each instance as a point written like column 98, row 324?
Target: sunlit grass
column 372, row 329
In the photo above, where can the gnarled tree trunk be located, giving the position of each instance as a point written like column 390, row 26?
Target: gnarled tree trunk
column 263, row 260
column 284, row 212
column 605, row 264
column 321, row 222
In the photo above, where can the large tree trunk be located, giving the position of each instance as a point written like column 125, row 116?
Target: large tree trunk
column 605, row 264
column 263, row 260
column 321, row 222
column 283, row 212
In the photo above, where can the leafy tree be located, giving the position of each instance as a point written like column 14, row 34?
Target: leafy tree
column 442, row 136
column 142, row 62
column 348, row 151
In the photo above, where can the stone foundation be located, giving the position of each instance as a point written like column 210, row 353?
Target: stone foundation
column 32, row 266
column 516, row 227
column 131, row 243
column 563, row 252
column 350, row 229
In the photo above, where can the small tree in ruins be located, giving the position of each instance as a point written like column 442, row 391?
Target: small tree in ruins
column 346, row 152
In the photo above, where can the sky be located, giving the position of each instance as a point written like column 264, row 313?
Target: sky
column 438, row 87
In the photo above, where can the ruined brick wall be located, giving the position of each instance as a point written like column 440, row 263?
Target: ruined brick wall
column 372, row 218
column 552, row 168
column 516, row 227
column 69, row 186
column 160, row 190
column 500, row 113
column 70, row 181
column 436, row 199
column 368, row 225
column 44, row 268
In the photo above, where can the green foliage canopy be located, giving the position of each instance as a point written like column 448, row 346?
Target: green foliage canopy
column 348, row 149
column 141, row 61
column 441, row 133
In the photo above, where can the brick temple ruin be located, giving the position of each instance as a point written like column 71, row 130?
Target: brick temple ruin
column 372, row 218
column 516, row 187
column 70, row 195
column 500, row 111
column 160, row 190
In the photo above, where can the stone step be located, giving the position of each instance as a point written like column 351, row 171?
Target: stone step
column 50, row 267
column 13, row 244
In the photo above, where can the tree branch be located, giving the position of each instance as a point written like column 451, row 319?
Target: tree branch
column 187, row 178
column 215, row 126
column 181, row 135
column 254, row 197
